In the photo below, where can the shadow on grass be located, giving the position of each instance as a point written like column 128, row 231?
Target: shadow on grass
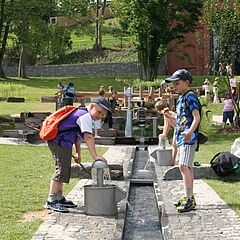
column 231, row 178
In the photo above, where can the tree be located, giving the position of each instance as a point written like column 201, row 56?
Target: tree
column 26, row 24
column 223, row 19
column 30, row 16
column 100, row 9
column 4, row 30
column 16, row 17
column 155, row 24
column 79, row 8
column 75, row 9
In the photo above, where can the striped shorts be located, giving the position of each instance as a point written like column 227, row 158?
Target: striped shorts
column 186, row 154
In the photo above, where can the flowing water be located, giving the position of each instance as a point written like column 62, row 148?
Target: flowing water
column 142, row 219
column 106, row 175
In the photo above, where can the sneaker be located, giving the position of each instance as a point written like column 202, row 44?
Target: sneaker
column 55, row 206
column 178, row 203
column 66, row 203
column 186, row 205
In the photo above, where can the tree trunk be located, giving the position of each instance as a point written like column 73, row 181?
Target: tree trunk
column 96, row 45
column 3, row 48
column 100, row 25
column 2, row 73
column 22, row 64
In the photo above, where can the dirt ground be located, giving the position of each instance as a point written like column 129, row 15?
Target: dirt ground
column 229, row 131
column 29, row 216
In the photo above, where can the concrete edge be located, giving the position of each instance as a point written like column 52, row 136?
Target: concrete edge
column 163, row 216
column 123, row 205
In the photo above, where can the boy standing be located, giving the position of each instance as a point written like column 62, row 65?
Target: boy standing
column 71, row 130
column 188, row 119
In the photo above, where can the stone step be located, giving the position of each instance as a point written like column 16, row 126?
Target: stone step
column 40, row 115
column 107, row 132
column 105, row 140
column 20, row 133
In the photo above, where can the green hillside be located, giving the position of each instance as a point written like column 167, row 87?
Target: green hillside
column 117, row 45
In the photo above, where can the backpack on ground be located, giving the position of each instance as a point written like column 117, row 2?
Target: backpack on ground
column 49, row 127
column 206, row 119
column 225, row 163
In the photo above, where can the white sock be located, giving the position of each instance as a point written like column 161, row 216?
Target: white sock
column 52, row 197
column 189, row 193
column 59, row 195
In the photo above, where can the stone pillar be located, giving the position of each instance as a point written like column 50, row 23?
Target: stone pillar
column 154, row 126
column 128, row 125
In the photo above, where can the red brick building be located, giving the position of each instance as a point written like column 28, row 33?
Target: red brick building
column 194, row 54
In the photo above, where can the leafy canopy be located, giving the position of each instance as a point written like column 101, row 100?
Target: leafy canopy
column 223, row 18
column 155, row 23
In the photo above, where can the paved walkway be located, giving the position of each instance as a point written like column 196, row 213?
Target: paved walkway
column 213, row 219
column 217, row 119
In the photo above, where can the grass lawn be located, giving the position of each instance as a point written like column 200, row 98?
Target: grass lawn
column 228, row 188
column 25, row 174
column 35, row 88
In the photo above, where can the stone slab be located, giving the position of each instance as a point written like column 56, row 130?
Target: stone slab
column 203, row 171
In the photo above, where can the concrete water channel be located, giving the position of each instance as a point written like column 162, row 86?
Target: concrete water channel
column 143, row 215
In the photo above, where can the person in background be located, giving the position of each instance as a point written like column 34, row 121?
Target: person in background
column 68, row 94
column 233, row 86
column 111, row 89
column 98, row 123
column 169, row 122
column 101, row 88
column 229, row 69
column 188, row 118
column 216, row 90
column 61, row 86
column 59, row 93
column 228, row 110
column 113, row 103
column 164, row 86
column 206, row 89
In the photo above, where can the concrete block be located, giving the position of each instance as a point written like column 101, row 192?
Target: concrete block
column 107, row 132
column 15, row 99
column 116, row 171
column 203, row 171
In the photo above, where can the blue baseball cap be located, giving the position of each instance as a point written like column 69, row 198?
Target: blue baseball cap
column 103, row 103
column 180, row 74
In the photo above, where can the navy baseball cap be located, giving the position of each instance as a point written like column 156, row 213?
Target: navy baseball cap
column 181, row 74
column 103, row 103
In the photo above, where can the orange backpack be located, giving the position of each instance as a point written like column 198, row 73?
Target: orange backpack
column 49, row 127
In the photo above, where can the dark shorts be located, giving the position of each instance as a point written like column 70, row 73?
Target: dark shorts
column 62, row 157
column 68, row 101
column 228, row 115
